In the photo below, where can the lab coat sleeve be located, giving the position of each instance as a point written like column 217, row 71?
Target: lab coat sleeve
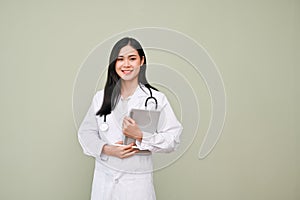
column 88, row 134
column 167, row 137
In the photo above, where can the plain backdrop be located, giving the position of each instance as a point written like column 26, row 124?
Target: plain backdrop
column 255, row 45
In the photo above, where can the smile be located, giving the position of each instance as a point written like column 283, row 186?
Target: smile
column 126, row 71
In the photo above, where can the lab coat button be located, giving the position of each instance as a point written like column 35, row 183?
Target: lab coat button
column 116, row 180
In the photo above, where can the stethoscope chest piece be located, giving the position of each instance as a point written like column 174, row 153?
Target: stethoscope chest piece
column 104, row 127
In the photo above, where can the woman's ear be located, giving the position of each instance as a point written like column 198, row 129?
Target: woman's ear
column 142, row 61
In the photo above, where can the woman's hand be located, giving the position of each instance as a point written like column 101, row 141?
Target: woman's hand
column 131, row 129
column 121, row 151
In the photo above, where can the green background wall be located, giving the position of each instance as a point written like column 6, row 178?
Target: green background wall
column 255, row 44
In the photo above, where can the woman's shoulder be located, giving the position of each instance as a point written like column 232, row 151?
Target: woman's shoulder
column 98, row 97
column 157, row 93
column 99, row 93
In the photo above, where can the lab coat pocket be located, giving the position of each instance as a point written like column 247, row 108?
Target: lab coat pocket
column 139, row 188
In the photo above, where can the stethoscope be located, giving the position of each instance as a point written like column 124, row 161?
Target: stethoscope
column 104, row 125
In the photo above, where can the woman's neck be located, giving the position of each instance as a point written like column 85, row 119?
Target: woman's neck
column 128, row 88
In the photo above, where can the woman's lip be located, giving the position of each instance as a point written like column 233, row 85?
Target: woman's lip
column 126, row 71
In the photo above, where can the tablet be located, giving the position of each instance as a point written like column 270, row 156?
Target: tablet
column 147, row 120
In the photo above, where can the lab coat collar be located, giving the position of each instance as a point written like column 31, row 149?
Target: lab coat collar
column 142, row 91
column 139, row 95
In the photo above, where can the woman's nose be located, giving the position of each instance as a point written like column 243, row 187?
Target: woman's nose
column 126, row 63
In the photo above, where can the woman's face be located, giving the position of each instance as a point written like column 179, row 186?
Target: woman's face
column 128, row 63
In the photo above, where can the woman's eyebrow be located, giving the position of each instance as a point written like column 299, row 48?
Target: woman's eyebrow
column 130, row 55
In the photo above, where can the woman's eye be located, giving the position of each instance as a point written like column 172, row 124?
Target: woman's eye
column 132, row 59
column 119, row 59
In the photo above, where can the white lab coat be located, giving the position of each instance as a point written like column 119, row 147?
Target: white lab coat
column 129, row 178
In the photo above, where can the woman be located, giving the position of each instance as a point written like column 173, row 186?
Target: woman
column 121, row 171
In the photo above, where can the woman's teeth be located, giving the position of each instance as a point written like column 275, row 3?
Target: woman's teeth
column 126, row 71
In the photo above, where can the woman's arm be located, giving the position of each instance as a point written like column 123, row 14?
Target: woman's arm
column 168, row 132
column 122, row 151
column 93, row 145
column 88, row 134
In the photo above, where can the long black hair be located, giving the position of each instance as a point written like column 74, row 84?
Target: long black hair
column 112, row 87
